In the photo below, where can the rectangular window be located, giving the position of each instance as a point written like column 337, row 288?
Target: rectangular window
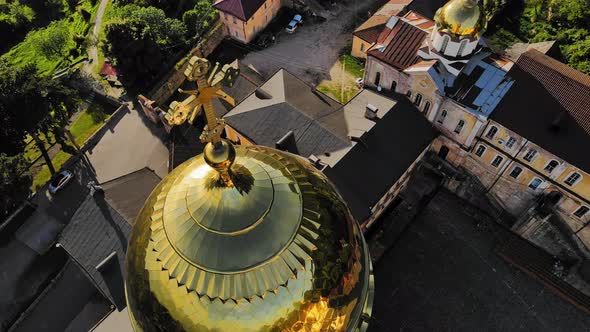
column 480, row 150
column 511, row 142
column 535, row 183
column 572, row 179
column 235, row 21
column 516, row 172
column 265, row 5
column 362, row 47
column 530, row 155
column 581, row 211
column 497, row 161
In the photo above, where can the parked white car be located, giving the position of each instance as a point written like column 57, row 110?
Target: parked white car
column 295, row 22
column 60, row 180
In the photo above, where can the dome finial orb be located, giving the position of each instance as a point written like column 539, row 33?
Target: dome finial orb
column 244, row 238
column 461, row 18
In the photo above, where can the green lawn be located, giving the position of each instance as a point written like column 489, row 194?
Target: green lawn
column 353, row 65
column 84, row 127
column 77, row 26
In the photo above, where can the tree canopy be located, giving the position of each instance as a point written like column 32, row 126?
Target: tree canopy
column 14, row 182
column 30, row 104
column 567, row 21
column 141, row 40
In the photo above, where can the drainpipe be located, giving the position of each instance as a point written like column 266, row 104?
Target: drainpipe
column 512, row 159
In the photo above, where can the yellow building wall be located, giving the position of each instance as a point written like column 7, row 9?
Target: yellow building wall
column 454, row 115
column 359, row 47
column 247, row 31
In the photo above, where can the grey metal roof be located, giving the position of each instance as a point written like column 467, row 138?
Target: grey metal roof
column 285, row 103
column 384, row 154
column 95, row 231
column 128, row 193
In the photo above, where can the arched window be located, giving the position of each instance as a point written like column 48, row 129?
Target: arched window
column 573, row 179
column 442, row 117
column 551, row 166
column 418, row 99
column 462, row 47
column 377, row 78
column 531, row 153
column 445, row 43
column 393, row 86
column 459, row 126
column 497, row 161
column 581, row 211
column 480, row 150
column 535, row 183
column 492, row 132
column 426, row 107
column 516, row 172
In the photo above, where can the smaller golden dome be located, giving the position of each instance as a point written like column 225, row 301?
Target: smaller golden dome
column 461, row 18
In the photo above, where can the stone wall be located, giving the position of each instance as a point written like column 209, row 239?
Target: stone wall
column 167, row 87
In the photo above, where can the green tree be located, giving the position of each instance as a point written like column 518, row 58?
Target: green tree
column 52, row 40
column 141, row 40
column 31, row 105
column 14, row 182
column 190, row 19
column 17, row 14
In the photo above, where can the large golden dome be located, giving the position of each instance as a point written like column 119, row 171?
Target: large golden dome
column 461, row 18
column 272, row 248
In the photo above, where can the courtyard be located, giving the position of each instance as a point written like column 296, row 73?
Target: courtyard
column 443, row 275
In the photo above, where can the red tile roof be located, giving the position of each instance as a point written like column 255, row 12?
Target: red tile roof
column 371, row 34
column 549, row 105
column 398, row 46
column 242, row 9
column 568, row 86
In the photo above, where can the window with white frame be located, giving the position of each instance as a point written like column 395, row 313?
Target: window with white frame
column 462, row 47
column 235, row 21
column 442, row 117
column 492, row 132
column 515, row 173
column 445, row 43
column 581, row 211
column 551, row 166
column 510, row 143
column 530, row 155
column 426, row 107
column 459, row 127
column 362, row 47
column 409, row 94
column 480, row 150
column 573, row 178
column 535, row 183
column 418, row 99
column 497, row 161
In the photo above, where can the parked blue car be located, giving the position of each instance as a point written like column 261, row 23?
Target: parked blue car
column 295, row 22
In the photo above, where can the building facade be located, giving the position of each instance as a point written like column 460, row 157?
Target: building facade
column 244, row 19
column 514, row 125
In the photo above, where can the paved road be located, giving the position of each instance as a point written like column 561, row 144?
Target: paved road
column 131, row 143
column 444, row 276
column 93, row 49
column 313, row 49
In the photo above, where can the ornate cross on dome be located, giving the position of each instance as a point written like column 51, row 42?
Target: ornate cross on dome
column 218, row 153
column 208, row 81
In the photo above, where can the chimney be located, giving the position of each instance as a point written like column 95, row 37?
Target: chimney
column 558, row 121
column 371, row 112
column 287, row 143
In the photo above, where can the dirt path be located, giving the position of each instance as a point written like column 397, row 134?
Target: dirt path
column 93, row 49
